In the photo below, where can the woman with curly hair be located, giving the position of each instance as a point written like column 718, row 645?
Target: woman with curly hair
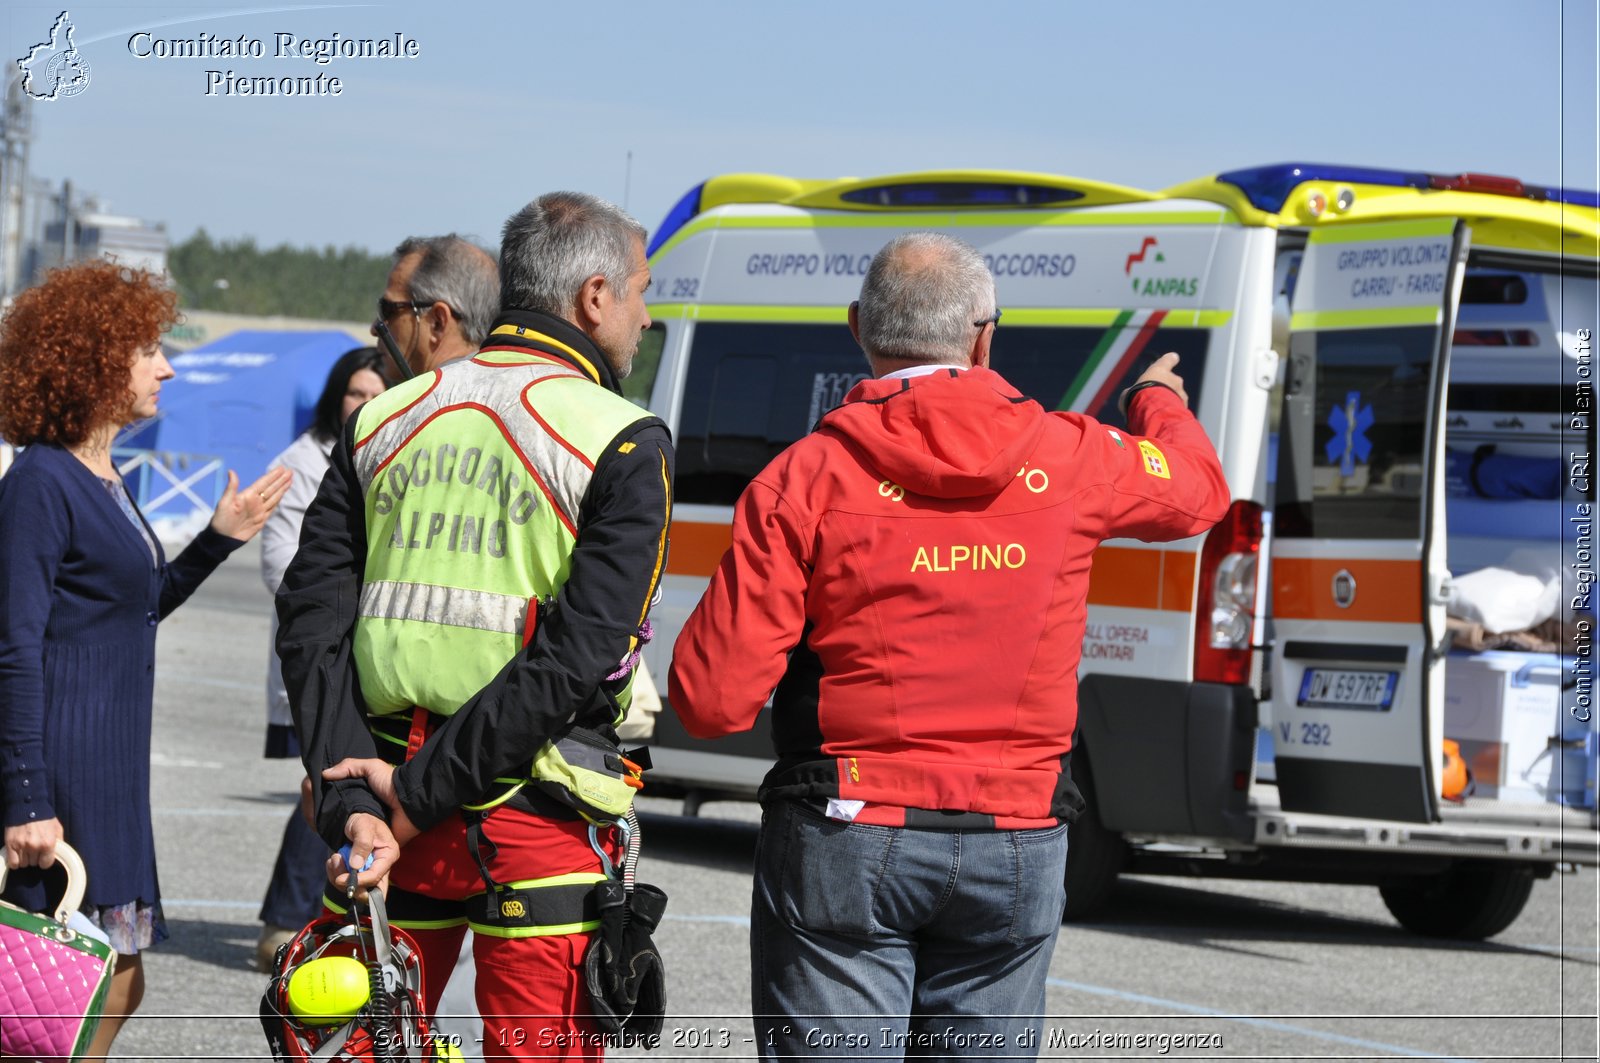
column 83, row 582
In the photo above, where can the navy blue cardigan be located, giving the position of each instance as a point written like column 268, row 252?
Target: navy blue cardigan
column 79, row 602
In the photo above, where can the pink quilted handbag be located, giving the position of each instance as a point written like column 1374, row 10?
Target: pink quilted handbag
column 53, row 980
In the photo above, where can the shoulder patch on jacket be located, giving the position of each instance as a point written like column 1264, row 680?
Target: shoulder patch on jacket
column 1155, row 462
column 1116, row 437
column 627, row 448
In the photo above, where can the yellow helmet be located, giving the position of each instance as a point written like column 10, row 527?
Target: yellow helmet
column 328, row 990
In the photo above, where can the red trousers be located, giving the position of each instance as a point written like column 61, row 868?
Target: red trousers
column 530, row 990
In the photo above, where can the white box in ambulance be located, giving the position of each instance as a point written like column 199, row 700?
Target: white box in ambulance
column 1504, row 708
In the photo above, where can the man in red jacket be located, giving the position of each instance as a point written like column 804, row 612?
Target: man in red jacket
column 909, row 585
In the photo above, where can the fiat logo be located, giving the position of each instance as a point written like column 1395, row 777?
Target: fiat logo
column 1344, row 588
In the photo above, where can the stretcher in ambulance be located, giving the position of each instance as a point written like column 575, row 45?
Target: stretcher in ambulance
column 1395, row 370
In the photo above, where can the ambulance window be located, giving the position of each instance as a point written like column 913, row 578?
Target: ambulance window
column 1504, row 420
column 751, row 391
column 1065, row 368
column 639, row 383
column 1495, row 289
column 1362, row 474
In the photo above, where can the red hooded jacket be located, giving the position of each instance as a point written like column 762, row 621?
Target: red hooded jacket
column 912, row 578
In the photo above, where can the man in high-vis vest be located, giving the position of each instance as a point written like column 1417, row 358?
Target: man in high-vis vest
column 459, row 628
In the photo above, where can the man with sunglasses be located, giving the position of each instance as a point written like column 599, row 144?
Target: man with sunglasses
column 440, row 298
column 908, row 584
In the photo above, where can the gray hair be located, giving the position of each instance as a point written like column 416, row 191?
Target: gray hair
column 457, row 273
column 554, row 244
column 920, row 297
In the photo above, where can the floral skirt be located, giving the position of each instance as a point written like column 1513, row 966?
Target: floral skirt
column 130, row 927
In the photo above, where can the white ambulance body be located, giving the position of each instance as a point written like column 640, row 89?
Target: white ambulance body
column 1271, row 699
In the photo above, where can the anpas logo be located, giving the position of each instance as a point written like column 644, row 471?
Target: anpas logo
column 1149, row 255
column 55, row 68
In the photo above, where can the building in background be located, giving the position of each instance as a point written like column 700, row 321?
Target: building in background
column 87, row 229
column 16, row 135
column 42, row 226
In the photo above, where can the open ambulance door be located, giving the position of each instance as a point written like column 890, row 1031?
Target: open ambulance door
column 1358, row 580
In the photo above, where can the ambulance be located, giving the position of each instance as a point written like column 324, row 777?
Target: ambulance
column 1395, row 368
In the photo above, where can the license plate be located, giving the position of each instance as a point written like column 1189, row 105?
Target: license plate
column 1339, row 688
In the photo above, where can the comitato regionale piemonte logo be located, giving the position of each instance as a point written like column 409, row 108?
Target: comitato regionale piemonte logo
column 54, row 68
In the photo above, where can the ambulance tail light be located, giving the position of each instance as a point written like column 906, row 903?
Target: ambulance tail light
column 1227, row 604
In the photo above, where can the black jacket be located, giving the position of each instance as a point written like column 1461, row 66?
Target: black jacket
column 615, row 569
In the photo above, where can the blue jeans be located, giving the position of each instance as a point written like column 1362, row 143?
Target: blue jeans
column 893, row 941
column 300, row 874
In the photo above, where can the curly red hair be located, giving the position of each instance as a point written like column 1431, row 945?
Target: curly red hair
column 67, row 348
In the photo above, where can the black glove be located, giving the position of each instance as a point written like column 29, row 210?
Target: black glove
column 645, row 983
column 622, row 967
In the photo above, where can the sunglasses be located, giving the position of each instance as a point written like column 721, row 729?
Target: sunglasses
column 388, row 308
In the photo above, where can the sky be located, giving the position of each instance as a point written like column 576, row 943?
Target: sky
column 506, row 100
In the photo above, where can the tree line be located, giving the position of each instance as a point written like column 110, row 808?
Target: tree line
column 238, row 277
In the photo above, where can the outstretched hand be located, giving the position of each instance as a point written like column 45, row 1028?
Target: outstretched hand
column 240, row 514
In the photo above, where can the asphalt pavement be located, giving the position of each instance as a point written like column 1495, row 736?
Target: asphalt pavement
column 1172, row 969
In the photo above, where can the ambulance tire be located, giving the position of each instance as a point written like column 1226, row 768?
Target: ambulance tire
column 1469, row 902
column 1095, row 855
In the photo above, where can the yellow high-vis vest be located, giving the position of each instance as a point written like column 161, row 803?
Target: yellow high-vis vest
column 472, row 480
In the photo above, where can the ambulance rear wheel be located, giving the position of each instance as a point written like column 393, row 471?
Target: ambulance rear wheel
column 1469, row 902
column 1095, row 855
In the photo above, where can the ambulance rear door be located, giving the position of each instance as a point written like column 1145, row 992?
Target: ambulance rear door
column 1359, row 577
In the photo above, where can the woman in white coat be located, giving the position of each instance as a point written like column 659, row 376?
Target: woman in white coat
column 294, row 896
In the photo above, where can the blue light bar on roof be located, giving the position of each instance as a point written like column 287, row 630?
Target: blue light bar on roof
column 1575, row 197
column 959, row 194
column 1268, row 187
column 679, row 216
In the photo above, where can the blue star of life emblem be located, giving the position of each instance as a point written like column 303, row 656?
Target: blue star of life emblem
column 1350, row 422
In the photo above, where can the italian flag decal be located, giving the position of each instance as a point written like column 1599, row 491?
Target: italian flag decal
column 1111, row 359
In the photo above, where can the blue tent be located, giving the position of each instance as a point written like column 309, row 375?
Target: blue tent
column 241, row 399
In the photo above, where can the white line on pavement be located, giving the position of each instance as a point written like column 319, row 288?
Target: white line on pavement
column 1265, row 1024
